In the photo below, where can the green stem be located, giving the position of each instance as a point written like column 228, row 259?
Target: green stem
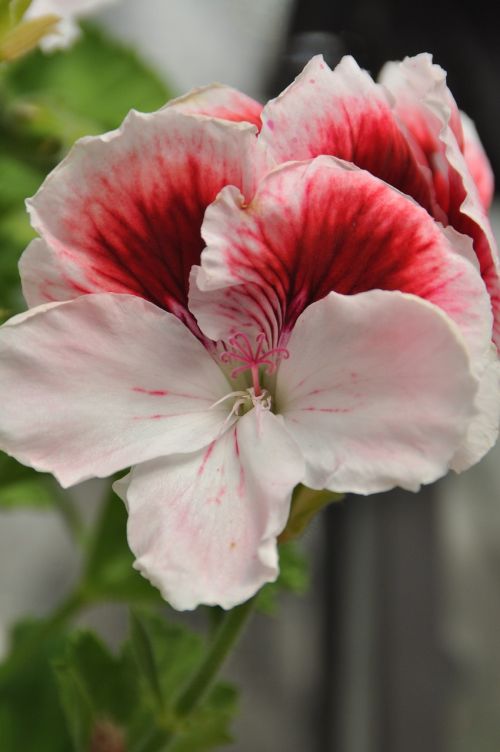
column 225, row 639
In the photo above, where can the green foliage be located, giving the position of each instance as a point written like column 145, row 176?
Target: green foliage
column 208, row 727
column 109, row 573
column 85, row 91
column 94, row 686
column 293, row 578
column 176, row 652
column 143, row 651
column 31, row 719
column 100, row 690
column 21, row 486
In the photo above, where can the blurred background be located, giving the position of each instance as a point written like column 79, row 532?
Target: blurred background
column 396, row 646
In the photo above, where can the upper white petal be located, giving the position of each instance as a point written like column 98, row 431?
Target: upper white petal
column 99, row 383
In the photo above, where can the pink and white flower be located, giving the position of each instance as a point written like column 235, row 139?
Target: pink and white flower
column 230, row 323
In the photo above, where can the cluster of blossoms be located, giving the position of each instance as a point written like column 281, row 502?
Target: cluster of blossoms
column 234, row 299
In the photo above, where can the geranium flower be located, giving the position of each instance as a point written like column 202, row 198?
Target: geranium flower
column 68, row 11
column 230, row 328
column 406, row 130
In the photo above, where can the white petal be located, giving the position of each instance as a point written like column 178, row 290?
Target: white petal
column 483, row 429
column 203, row 526
column 377, row 391
column 101, row 382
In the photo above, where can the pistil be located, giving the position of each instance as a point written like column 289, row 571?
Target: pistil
column 252, row 358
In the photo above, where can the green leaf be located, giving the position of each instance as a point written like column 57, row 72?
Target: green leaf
column 208, row 727
column 104, row 686
column 109, row 573
column 17, row 181
column 85, row 90
column 23, row 486
column 144, row 656
column 33, row 493
column 77, row 706
column 176, row 653
column 293, row 577
column 30, row 714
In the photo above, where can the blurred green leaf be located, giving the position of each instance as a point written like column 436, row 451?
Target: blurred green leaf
column 30, row 715
column 176, row 653
column 83, row 91
column 208, row 727
column 17, row 181
column 145, row 657
column 109, row 573
column 33, row 493
column 77, row 706
column 23, row 486
column 94, row 686
column 293, row 577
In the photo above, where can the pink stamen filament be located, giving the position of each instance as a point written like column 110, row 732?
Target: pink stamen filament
column 243, row 352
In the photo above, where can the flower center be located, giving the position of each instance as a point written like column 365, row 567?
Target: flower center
column 252, row 358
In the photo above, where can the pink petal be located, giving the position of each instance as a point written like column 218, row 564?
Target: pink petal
column 483, row 429
column 96, row 384
column 377, row 391
column 48, row 276
column 203, row 526
column 477, row 162
column 324, row 225
column 219, row 101
column 345, row 114
column 122, row 213
column 426, row 107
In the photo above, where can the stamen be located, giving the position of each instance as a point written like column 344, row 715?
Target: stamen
column 251, row 359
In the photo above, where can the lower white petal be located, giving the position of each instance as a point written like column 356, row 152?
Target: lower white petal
column 377, row 391
column 203, row 526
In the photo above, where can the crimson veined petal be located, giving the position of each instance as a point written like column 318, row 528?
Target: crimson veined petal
column 96, row 384
column 377, row 391
column 203, row 526
column 321, row 226
column 344, row 113
column 426, row 107
column 122, row 213
column 219, row 101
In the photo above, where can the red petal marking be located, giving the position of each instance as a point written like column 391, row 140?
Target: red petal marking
column 344, row 114
column 319, row 227
column 152, row 392
column 128, row 211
